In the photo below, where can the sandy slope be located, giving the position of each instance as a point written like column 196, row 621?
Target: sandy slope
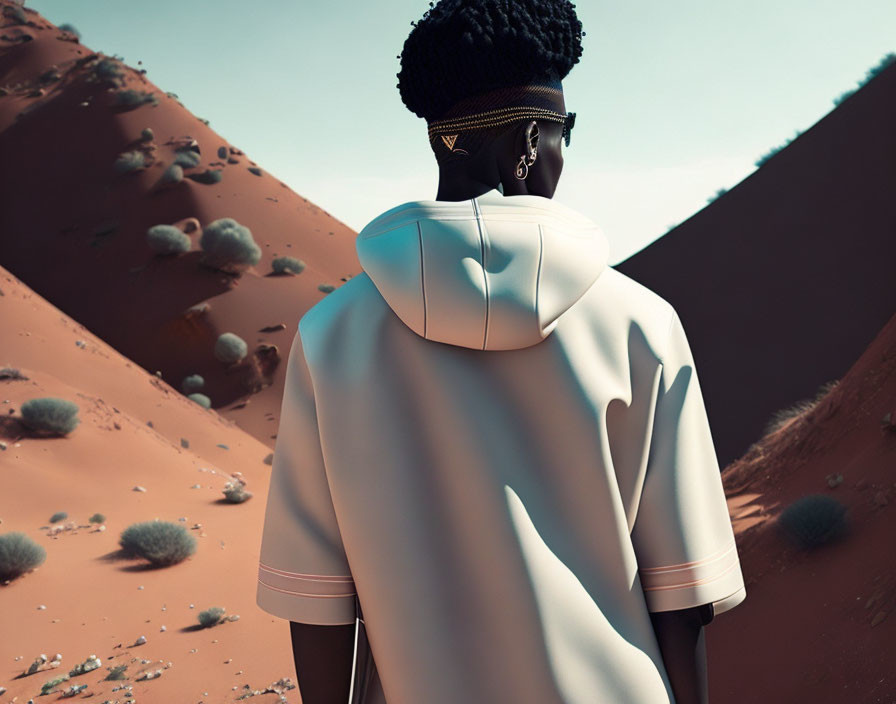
column 94, row 603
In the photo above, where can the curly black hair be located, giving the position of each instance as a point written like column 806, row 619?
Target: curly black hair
column 462, row 48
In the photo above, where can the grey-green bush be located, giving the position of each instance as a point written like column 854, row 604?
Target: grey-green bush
column 18, row 554
column 97, row 518
column 230, row 348
column 211, row 617
column 11, row 373
column 201, row 399
column 281, row 264
column 108, row 69
column 173, row 174
column 147, row 135
column 186, row 158
column 129, row 161
column 207, row 177
column 814, row 520
column 58, row 516
column 116, row 673
column 228, row 246
column 54, row 415
column 192, row 383
column 70, row 28
column 163, row 543
column 167, row 239
column 222, row 152
column 133, row 98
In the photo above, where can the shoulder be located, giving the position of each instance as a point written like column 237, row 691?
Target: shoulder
column 633, row 300
column 355, row 299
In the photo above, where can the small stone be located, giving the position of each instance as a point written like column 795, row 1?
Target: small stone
column 196, row 486
column 139, row 488
column 140, row 641
column 878, row 617
column 41, row 607
column 191, row 606
column 163, row 629
column 140, row 587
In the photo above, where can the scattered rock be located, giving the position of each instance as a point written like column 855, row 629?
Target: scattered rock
column 834, row 479
column 139, row 488
column 878, row 617
column 269, row 459
column 273, row 328
column 140, row 641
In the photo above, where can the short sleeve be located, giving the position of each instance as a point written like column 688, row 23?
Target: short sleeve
column 303, row 573
column 682, row 535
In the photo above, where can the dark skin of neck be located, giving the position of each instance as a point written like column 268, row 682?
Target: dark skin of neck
column 323, row 654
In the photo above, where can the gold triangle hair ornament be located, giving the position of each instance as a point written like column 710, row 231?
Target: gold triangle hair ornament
column 449, row 140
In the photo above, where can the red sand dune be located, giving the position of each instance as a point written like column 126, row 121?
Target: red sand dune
column 817, row 626
column 91, row 593
column 783, row 281
column 60, row 153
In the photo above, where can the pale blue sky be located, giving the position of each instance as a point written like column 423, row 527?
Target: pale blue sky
column 673, row 100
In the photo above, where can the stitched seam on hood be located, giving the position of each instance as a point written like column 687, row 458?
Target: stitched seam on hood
column 538, row 276
column 484, row 272
column 422, row 270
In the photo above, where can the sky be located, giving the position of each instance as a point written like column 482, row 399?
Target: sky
column 673, row 101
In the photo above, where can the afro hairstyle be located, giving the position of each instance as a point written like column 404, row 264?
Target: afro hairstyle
column 462, row 48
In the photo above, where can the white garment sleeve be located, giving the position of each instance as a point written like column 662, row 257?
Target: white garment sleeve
column 303, row 574
column 682, row 535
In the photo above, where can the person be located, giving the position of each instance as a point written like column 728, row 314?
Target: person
column 494, row 441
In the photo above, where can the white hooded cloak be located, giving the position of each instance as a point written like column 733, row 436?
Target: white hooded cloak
column 499, row 443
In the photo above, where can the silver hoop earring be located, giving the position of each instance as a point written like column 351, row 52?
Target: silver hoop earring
column 522, row 168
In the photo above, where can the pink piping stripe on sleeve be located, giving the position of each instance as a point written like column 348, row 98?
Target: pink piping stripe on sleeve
column 294, row 593
column 682, row 585
column 305, row 575
column 670, row 568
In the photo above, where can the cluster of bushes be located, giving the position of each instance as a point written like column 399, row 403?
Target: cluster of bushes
column 774, row 150
column 869, row 74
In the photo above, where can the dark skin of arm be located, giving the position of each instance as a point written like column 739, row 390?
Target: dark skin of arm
column 683, row 646
column 323, row 656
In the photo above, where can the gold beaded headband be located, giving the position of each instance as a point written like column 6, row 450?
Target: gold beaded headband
column 500, row 106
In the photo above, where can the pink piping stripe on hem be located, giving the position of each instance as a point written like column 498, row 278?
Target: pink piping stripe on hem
column 303, row 575
column 287, row 591
column 698, row 582
column 669, row 568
